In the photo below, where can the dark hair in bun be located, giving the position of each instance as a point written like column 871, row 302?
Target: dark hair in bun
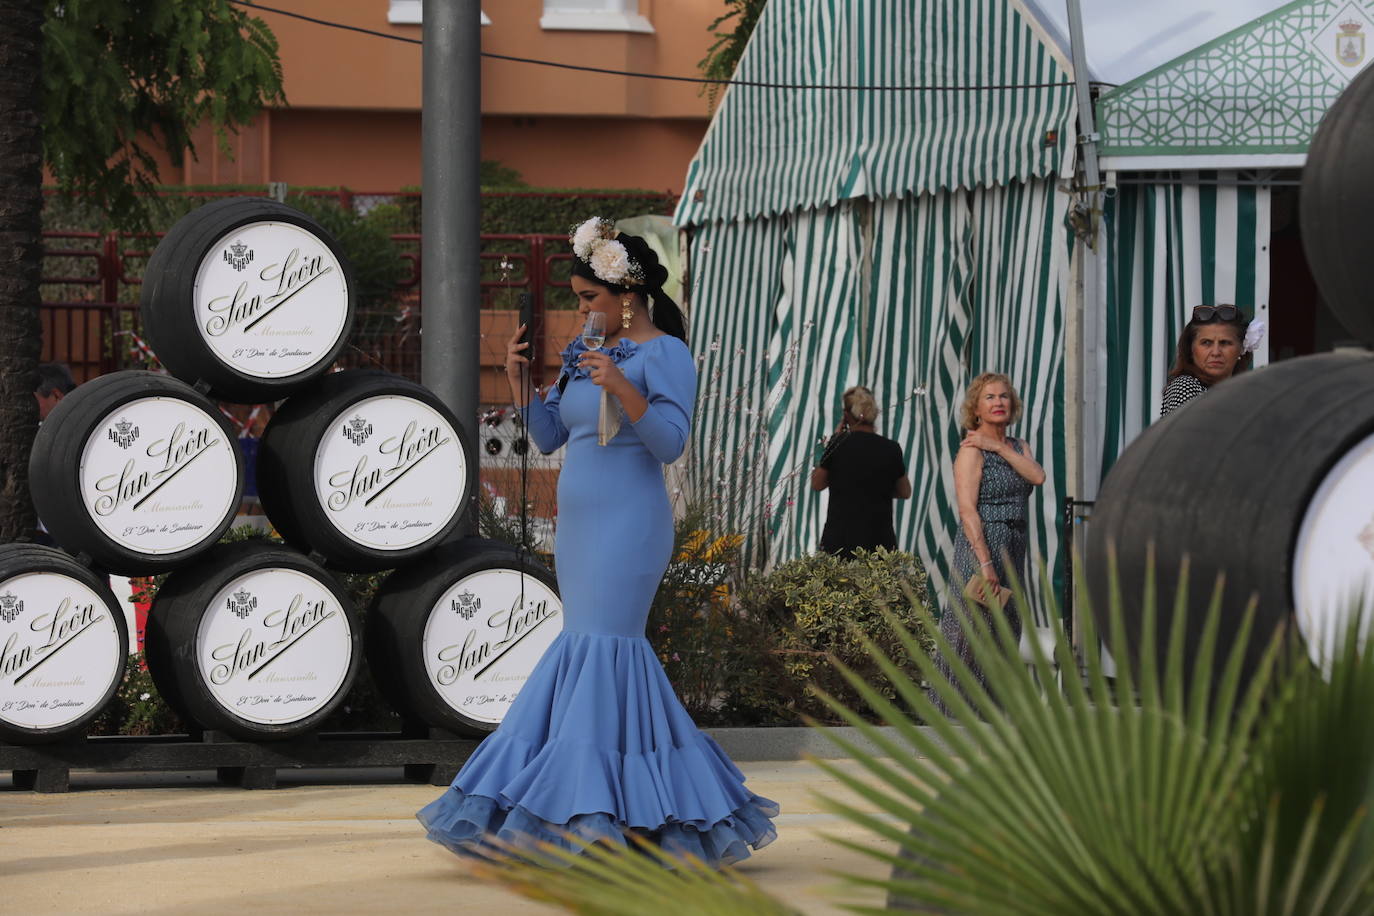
column 666, row 314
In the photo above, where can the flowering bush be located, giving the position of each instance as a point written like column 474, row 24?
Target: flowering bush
column 137, row 707
column 720, row 658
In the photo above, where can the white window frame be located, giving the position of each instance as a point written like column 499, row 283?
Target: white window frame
column 594, row 16
column 410, row 12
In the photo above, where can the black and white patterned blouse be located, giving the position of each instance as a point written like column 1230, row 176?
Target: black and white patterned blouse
column 1179, row 392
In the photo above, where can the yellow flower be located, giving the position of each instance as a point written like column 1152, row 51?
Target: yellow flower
column 692, row 545
column 722, row 544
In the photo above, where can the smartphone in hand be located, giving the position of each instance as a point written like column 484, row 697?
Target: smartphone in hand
column 527, row 319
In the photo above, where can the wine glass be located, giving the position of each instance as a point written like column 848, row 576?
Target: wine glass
column 594, row 331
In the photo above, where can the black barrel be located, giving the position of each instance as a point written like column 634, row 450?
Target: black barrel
column 1229, row 481
column 63, row 645
column 452, row 638
column 255, row 640
column 250, row 297
column 367, row 469
column 137, row 471
column 1337, row 202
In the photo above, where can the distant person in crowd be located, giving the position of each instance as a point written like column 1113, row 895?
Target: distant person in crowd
column 994, row 474
column 55, row 382
column 1216, row 343
column 864, row 473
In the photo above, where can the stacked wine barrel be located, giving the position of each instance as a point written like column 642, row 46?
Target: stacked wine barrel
column 137, row 473
column 1265, row 482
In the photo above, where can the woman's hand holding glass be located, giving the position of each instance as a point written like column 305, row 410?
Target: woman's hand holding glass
column 603, row 371
column 598, row 363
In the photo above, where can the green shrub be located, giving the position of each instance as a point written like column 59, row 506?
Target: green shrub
column 549, row 211
column 823, row 606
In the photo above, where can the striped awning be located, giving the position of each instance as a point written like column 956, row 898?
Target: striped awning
column 773, row 150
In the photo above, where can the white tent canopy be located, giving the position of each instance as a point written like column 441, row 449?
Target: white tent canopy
column 1125, row 39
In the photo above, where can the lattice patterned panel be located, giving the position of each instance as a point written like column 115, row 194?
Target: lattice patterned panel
column 1260, row 89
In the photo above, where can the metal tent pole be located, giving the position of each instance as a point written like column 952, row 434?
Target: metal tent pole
column 1092, row 336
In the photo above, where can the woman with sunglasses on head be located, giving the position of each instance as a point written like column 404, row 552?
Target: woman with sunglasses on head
column 596, row 747
column 1214, row 345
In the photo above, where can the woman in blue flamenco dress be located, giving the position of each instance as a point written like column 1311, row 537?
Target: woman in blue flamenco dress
column 597, row 746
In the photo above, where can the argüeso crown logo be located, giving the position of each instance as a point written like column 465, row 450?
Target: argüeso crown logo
column 11, row 606
column 241, row 603
column 123, row 433
column 238, row 255
column 467, row 604
column 357, row 430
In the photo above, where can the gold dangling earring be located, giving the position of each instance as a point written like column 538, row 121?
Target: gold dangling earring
column 626, row 314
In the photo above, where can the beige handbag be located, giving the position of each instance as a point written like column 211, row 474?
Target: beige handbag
column 980, row 591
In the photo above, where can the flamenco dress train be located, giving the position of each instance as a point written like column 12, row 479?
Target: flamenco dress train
column 596, row 744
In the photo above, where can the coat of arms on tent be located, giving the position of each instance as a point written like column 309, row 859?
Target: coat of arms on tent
column 466, row 604
column 1350, row 43
column 242, row 603
column 123, row 433
column 238, row 255
column 11, row 606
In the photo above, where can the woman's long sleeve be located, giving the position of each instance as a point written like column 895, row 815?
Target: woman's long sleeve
column 671, row 380
column 542, row 419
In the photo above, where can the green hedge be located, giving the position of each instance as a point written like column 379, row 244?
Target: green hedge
column 545, row 211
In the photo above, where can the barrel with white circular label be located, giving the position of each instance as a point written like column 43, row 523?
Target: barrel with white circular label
column 366, row 468
column 250, row 296
column 136, row 470
column 255, row 640
column 452, row 638
column 63, row 645
column 1266, row 481
column 1333, row 560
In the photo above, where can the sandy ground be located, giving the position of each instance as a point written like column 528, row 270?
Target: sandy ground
column 178, row 843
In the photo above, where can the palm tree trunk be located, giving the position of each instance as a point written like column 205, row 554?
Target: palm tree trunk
column 21, row 202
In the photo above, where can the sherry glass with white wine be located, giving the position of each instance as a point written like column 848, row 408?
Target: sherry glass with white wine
column 608, row 419
column 594, row 331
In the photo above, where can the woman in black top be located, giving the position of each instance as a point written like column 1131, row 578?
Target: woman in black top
column 864, row 473
column 1214, row 346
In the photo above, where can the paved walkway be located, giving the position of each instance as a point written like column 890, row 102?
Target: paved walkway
column 178, row 843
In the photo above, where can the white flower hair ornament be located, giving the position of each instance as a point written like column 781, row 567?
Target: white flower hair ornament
column 1254, row 335
column 595, row 242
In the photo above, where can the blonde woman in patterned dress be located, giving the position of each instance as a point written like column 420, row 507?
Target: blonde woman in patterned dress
column 993, row 477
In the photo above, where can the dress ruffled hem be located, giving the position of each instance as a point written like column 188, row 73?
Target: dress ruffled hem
column 466, row 825
column 597, row 745
column 695, row 783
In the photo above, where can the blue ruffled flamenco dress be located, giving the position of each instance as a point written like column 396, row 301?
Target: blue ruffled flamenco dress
column 597, row 744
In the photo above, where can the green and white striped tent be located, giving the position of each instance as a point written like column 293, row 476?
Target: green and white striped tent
column 906, row 240
column 1191, row 149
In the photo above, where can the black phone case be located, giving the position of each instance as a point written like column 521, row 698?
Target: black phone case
column 527, row 319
